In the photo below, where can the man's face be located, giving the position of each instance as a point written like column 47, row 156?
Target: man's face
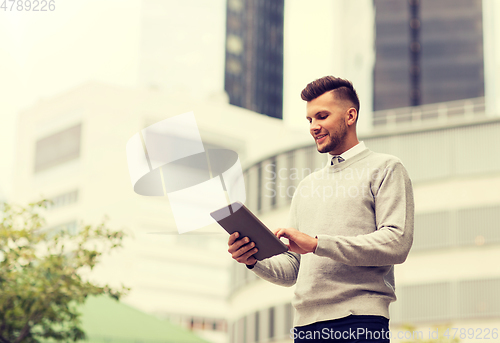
column 326, row 115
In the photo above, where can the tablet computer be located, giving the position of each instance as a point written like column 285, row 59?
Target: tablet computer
column 236, row 217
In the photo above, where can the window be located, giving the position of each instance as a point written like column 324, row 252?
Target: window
column 259, row 187
column 58, row 148
column 271, row 322
column 234, row 44
column 63, row 200
column 257, row 326
column 235, row 5
column 70, row 227
column 288, row 318
column 274, row 181
column 234, row 66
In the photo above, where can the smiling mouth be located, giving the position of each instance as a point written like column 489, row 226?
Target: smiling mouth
column 320, row 137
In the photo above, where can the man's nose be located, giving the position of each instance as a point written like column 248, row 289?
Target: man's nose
column 315, row 126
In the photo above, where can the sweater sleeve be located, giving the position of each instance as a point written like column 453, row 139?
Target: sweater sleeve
column 282, row 269
column 390, row 243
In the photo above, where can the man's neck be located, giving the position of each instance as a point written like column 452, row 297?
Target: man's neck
column 349, row 144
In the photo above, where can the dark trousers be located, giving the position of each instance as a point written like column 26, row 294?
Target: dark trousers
column 351, row 329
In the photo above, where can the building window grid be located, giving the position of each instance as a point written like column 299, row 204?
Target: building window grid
column 437, row 44
column 483, row 300
column 476, row 298
column 455, row 228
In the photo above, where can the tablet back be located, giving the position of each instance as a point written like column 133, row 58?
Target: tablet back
column 237, row 217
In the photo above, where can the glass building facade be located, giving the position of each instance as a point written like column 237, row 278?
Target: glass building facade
column 254, row 55
column 427, row 52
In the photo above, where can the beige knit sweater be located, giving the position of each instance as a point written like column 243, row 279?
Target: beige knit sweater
column 361, row 211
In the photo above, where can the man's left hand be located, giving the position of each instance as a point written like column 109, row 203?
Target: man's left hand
column 299, row 242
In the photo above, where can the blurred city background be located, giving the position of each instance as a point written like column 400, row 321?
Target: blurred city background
column 77, row 82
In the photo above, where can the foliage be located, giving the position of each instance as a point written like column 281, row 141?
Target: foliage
column 40, row 275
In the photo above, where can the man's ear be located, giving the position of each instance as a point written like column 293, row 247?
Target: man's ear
column 352, row 115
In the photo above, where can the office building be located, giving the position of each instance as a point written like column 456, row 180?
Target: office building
column 254, row 55
column 427, row 52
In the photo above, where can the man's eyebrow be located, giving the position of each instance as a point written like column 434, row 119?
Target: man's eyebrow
column 318, row 113
column 322, row 112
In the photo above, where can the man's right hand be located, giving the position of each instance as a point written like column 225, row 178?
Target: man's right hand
column 242, row 249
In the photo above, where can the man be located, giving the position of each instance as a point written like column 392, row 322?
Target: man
column 349, row 224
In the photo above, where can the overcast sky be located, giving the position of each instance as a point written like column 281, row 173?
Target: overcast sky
column 45, row 53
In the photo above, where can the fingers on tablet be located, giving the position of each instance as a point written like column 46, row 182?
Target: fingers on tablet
column 232, row 238
column 248, row 254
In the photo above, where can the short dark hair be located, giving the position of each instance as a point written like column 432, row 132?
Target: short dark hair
column 341, row 87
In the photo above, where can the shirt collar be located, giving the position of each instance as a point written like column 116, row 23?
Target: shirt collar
column 357, row 149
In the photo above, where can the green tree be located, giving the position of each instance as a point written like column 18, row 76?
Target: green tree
column 41, row 285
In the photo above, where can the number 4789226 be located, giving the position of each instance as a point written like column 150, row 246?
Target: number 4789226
column 470, row 333
column 28, row 5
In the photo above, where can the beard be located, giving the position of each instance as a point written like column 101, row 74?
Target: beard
column 334, row 139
